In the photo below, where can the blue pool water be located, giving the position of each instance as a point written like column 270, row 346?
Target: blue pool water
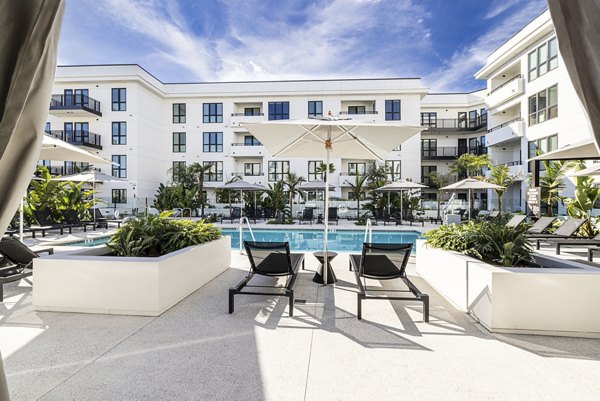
column 304, row 240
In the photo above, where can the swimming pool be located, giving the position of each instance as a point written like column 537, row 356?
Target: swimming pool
column 303, row 240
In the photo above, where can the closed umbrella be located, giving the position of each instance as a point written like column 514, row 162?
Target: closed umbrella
column 399, row 186
column 470, row 184
column 330, row 137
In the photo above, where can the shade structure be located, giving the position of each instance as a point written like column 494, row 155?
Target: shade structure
column 399, row 186
column 470, row 184
column 56, row 149
column 575, row 151
column 315, row 186
column 241, row 185
column 592, row 170
column 330, row 137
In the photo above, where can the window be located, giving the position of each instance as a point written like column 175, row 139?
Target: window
column 119, row 196
column 462, row 119
column 48, row 128
column 249, row 140
column 178, row 113
column 356, row 110
column 278, row 170
column 74, row 168
column 544, row 145
column 393, row 169
column 213, row 112
column 315, row 109
column 279, row 110
column 473, row 119
column 313, row 171
column 178, row 142
column 119, row 133
column 252, row 169
column 392, row 110
column 483, row 115
column 429, row 119
column 252, row 111
column 426, row 172
column 357, row 168
column 213, row 142
column 82, row 133
column 82, row 97
column 119, row 99
column 315, row 196
column 543, row 106
column 214, row 173
column 68, row 135
column 119, row 170
column 473, row 146
column 178, row 170
column 543, row 59
column 428, row 147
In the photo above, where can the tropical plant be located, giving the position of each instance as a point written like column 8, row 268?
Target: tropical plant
column 199, row 171
column 581, row 205
column 357, row 189
column 470, row 165
column 552, row 182
column 166, row 198
column 377, row 177
column 439, row 180
column 323, row 170
column 293, row 182
column 186, row 191
column 500, row 175
column 275, row 199
column 152, row 236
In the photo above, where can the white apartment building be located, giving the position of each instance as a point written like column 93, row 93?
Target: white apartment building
column 531, row 103
column 125, row 114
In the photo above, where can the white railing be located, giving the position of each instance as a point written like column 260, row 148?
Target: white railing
column 368, row 231
column 241, row 229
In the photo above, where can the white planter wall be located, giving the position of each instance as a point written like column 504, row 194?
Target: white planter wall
column 552, row 301
column 83, row 282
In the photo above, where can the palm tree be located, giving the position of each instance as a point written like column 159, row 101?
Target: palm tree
column 293, row 182
column 198, row 171
column 439, row 180
column 500, row 175
column 323, row 170
column 552, row 182
column 470, row 165
column 357, row 189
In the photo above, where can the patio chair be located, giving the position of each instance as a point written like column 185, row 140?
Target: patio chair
column 308, row 214
column 17, row 261
column 577, row 241
column 516, row 220
column 236, row 214
column 103, row 221
column 493, row 215
column 566, row 230
column 332, row 214
column 461, row 213
column 385, row 262
column 271, row 259
column 73, row 220
column 410, row 217
column 541, row 225
column 46, row 223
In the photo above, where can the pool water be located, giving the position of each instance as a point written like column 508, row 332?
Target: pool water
column 304, row 240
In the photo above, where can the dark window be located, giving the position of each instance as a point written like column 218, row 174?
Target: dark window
column 119, row 196
column 213, row 112
column 213, row 142
column 357, row 168
column 543, row 59
column 428, row 147
column 392, row 110
column 483, row 116
column 315, row 196
column 119, row 133
column 393, row 169
column 179, row 142
column 252, row 111
column 119, row 99
column 279, row 110
column 462, row 119
column 356, row 110
column 278, row 170
column 82, row 133
column 48, row 128
column 429, row 119
column 119, row 170
column 252, row 169
column 315, row 108
column 178, row 170
column 543, row 106
column 313, row 171
column 426, row 172
column 473, row 146
column 544, row 145
column 74, row 168
column 249, row 140
column 178, row 113
column 82, row 97
column 473, row 119
column 215, row 172
column 68, row 135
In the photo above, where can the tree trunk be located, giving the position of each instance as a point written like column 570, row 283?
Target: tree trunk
column 201, row 187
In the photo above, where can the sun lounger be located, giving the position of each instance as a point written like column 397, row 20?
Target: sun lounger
column 516, row 220
column 566, row 230
column 307, row 215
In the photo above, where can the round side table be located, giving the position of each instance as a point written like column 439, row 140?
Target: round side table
column 318, row 278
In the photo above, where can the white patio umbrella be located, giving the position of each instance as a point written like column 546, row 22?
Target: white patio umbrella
column 330, row 137
column 592, row 170
column 241, row 185
column 399, row 186
column 470, row 184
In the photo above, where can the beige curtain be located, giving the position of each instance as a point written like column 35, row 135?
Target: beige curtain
column 577, row 25
column 28, row 41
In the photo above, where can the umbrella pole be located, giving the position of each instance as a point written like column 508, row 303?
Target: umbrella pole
column 21, row 223
column 389, row 209
column 401, row 209
column 469, row 194
column 326, row 211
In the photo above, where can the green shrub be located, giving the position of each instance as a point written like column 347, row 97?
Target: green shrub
column 491, row 242
column 158, row 235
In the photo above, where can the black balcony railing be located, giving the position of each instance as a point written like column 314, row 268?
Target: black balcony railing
column 75, row 102
column 247, row 144
column 497, row 127
column 355, row 113
column 457, row 124
column 247, row 114
column 78, row 137
column 451, row 152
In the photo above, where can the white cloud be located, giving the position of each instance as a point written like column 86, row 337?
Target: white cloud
column 500, row 6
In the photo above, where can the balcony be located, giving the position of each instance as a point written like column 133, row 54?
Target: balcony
column 260, row 179
column 456, row 124
column 450, row 152
column 345, row 179
column 506, row 132
column 505, row 92
column 367, row 115
column 515, row 168
column 243, row 150
column 74, row 105
column 78, row 138
column 237, row 118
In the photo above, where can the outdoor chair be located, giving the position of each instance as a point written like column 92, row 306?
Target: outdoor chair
column 17, row 261
column 493, row 215
column 577, row 241
column 236, row 214
column 409, row 217
column 332, row 215
column 541, row 225
column 73, row 220
column 308, row 214
column 461, row 213
column 103, row 221
column 516, row 220
column 385, row 262
column 271, row 259
column 566, row 230
column 46, row 223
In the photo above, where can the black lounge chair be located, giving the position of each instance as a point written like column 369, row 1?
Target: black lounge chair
column 272, row 259
column 382, row 216
column 17, row 261
column 46, row 223
column 493, row 214
column 332, row 215
column 73, row 220
column 566, row 230
column 591, row 251
column 236, row 214
column 541, row 225
column 102, row 221
column 576, row 241
column 308, row 214
column 409, row 217
column 385, row 262
column 516, row 220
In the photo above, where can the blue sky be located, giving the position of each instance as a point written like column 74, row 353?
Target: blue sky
column 442, row 41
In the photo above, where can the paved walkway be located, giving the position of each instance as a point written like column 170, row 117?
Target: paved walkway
column 197, row 351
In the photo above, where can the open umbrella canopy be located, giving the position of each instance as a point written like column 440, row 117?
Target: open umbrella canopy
column 575, row 151
column 55, row 149
column 315, row 186
column 241, row 185
column 400, row 185
column 89, row 176
column 471, row 183
column 593, row 170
